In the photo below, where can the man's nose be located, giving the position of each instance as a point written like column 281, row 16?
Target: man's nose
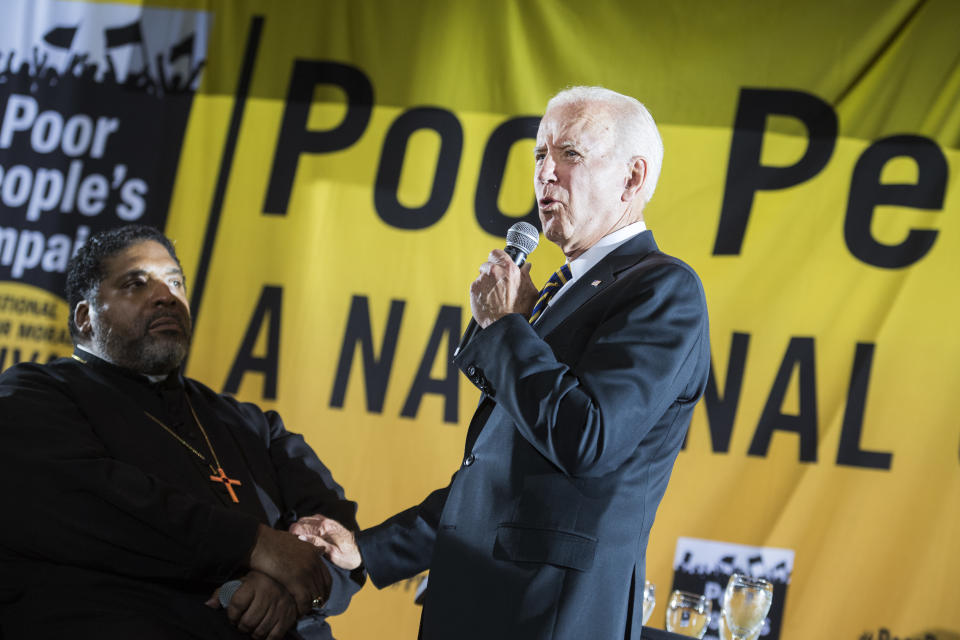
column 547, row 171
column 162, row 293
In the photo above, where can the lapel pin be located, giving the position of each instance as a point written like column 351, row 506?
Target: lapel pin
column 595, row 283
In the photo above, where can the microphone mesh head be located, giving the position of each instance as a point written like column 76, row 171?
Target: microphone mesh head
column 523, row 236
column 227, row 591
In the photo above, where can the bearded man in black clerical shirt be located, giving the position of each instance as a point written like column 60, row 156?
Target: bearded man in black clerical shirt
column 132, row 493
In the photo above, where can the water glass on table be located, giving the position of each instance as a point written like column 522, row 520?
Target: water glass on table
column 649, row 600
column 746, row 602
column 688, row 614
column 725, row 634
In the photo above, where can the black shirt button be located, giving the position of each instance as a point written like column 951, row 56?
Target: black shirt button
column 471, row 371
column 469, row 460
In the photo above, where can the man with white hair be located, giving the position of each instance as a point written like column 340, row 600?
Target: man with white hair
column 588, row 389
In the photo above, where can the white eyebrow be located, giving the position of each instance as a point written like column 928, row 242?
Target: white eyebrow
column 565, row 144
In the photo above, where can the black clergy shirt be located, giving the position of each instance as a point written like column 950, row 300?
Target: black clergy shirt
column 113, row 526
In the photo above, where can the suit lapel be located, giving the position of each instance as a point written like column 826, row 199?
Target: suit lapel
column 601, row 276
column 604, row 273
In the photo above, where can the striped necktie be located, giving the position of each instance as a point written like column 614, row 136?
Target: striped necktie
column 557, row 280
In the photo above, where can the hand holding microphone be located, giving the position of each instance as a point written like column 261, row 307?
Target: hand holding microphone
column 504, row 285
column 500, row 289
column 297, row 565
column 258, row 605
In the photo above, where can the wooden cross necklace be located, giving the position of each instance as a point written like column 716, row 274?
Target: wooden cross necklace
column 219, row 475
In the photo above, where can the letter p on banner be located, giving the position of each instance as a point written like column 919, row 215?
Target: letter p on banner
column 745, row 174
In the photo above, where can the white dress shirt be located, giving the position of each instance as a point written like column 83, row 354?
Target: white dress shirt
column 589, row 258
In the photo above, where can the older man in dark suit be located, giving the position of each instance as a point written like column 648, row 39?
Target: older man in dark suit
column 588, row 389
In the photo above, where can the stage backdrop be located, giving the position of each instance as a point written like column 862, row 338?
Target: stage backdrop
column 334, row 172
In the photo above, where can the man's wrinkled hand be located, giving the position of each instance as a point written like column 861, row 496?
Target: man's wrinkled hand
column 262, row 607
column 339, row 544
column 295, row 564
column 501, row 288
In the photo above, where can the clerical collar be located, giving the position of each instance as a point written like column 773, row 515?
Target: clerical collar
column 174, row 378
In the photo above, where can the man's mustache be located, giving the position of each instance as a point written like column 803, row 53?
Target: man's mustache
column 179, row 318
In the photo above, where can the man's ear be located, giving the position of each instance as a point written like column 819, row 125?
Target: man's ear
column 635, row 179
column 81, row 318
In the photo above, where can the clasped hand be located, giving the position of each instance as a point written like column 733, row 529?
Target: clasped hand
column 261, row 607
column 288, row 575
column 501, row 288
column 298, row 566
column 338, row 543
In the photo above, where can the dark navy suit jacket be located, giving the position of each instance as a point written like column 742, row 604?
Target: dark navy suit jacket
column 542, row 532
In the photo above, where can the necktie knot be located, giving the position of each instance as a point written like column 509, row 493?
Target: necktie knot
column 559, row 278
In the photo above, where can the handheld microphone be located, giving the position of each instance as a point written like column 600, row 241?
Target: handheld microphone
column 522, row 239
column 227, row 590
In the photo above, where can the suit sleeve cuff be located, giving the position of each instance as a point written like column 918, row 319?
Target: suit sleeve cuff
column 344, row 583
column 484, row 354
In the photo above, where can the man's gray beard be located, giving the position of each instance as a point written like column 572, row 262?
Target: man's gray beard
column 151, row 355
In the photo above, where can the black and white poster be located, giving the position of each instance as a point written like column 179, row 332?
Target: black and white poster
column 94, row 103
column 705, row 566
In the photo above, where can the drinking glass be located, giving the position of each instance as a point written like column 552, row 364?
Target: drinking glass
column 688, row 614
column 746, row 602
column 725, row 634
column 649, row 600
